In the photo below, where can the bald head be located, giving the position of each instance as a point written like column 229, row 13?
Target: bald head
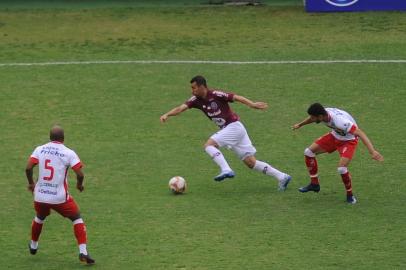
column 57, row 134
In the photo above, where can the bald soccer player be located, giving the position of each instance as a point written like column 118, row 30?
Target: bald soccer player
column 51, row 189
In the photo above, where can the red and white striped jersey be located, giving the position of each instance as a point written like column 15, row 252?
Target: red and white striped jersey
column 54, row 160
column 342, row 124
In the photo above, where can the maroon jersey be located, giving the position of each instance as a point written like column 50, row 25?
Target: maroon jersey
column 215, row 107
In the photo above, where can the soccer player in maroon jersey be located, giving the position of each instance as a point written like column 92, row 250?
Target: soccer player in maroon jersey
column 343, row 138
column 232, row 133
column 51, row 189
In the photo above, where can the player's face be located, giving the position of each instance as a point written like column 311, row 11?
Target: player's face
column 197, row 90
column 317, row 118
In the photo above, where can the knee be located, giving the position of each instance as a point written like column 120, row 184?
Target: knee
column 342, row 170
column 309, row 153
column 250, row 162
column 76, row 218
column 251, row 165
column 210, row 143
column 39, row 219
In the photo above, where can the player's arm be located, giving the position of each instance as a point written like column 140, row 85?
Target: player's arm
column 365, row 140
column 79, row 178
column 175, row 111
column 29, row 172
column 255, row 105
column 306, row 121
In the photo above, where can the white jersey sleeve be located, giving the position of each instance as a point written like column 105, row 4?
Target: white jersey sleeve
column 74, row 160
column 35, row 155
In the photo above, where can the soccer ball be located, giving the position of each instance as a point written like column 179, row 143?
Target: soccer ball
column 177, row 185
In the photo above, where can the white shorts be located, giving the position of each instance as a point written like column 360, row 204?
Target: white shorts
column 235, row 137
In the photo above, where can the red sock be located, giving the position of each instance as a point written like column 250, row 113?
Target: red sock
column 311, row 164
column 80, row 233
column 36, row 229
column 346, row 177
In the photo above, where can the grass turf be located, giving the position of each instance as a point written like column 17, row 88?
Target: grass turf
column 111, row 116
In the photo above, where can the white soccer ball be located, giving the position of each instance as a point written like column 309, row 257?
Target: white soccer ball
column 177, row 185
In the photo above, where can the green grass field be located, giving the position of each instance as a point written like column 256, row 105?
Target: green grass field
column 111, row 118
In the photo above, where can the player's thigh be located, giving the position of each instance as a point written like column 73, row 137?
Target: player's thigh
column 326, row 143
column 230, row 135
column 42, row 210
column 245, row 150
column 344, row 162
column 347, row 149
column 68, row 209
column 317, row 149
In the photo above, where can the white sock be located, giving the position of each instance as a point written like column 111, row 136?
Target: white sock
column 218, row 157
column 82, row 249
column 34, row 244
column 269, row 170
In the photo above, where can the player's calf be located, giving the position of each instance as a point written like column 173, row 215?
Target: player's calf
column 346, row 178
column 36, row 228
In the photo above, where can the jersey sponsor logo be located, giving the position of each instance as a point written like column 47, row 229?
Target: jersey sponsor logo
column 220, row 94
column 44, row 191
column 219, row 121
column 49, row 150
column 342, row 3
column 214, row 105
column 48, row 185
column 214, row 113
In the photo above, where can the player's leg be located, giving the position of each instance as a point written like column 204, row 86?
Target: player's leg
column 212, row 149
column 267, row 169
column 225, row 136
column 42, row 211
column 322, row 145
column 70, row 210
column 346, row 152
column 244, row 149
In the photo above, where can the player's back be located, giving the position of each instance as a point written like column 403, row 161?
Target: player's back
column 342, row 124
column 53, row 161
column 339, row 114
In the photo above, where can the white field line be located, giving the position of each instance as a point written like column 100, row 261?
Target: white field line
column 101, row 62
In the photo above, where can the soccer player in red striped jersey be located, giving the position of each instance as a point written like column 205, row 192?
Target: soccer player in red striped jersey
column 342, row 138
column 51, row 189
column 232, row 134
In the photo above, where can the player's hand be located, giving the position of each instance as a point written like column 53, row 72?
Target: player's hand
column 80, row 187
column 377, row 156
column 295, row 126
column 260, row 105
column 163, row 118
column 31, row 187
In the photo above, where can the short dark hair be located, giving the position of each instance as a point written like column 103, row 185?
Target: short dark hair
column 57, row 134
column 316, row 109
column 199, row 80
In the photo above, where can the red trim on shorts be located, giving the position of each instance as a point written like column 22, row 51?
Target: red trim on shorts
column 34, row 160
